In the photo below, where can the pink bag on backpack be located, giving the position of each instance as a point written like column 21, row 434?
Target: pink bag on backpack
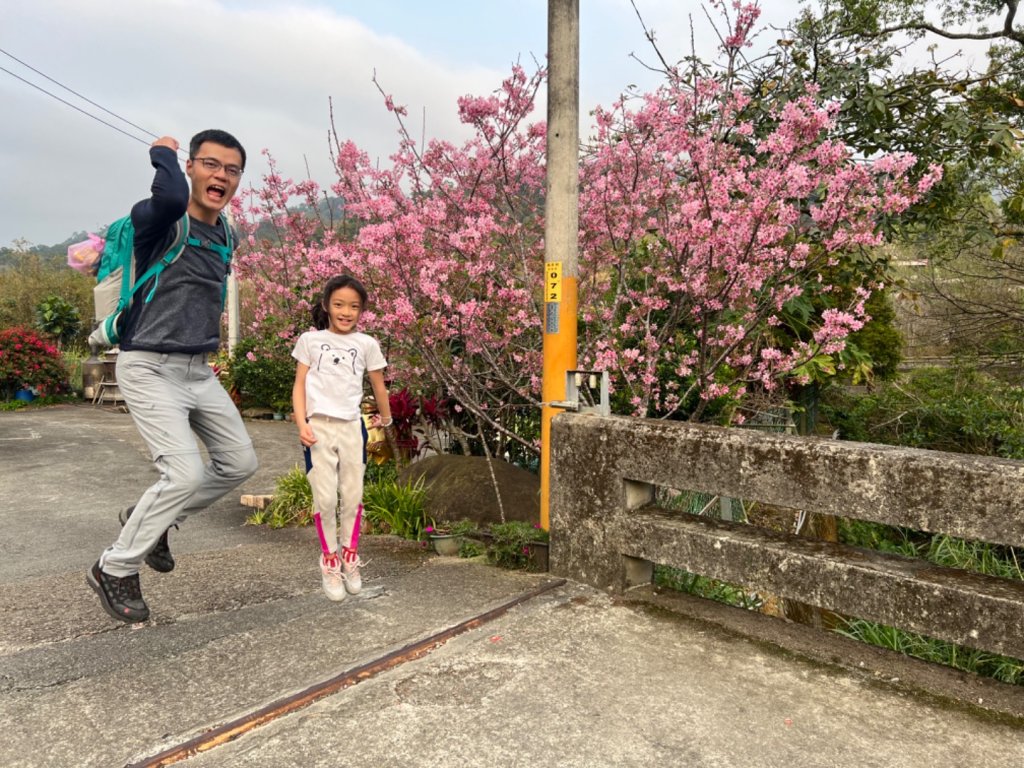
column 85, row 256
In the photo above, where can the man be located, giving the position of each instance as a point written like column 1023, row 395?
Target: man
column 162, row 369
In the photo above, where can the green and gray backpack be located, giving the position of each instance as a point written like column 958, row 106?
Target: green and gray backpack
column 116, row 286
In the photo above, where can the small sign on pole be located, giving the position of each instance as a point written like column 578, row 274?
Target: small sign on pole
column 553, row 281
column 552, row 295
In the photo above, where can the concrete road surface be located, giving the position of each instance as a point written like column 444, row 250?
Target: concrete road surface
column 439, row 662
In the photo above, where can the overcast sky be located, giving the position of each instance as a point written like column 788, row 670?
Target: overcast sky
column 264, row 70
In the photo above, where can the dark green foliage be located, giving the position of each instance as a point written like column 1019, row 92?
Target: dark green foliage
column 379, row 473
column 1003, row 668
column 947, row 409
column 953, row 409
column 883, row 538
column 50, row 256
column 263, row 372
column 879, row 339
column 28, row 281
column 710, row 589
column 292, row 503
column 471, row 548
column 510, row 543
column 949, row 551
column 59, row 318
column 522, row 421
column 397, row 508
column 463, row 528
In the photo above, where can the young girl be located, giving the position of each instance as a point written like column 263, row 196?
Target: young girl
column 326, row 396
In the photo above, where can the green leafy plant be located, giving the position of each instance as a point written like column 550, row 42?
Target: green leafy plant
column 27, row 277
column 471, row 548
column 292, row 503
column 464, row 528
column 28, row 361
column 59, row 318
column 396, row 508
column 263, row 372
column 711, row 589
column 510, row 543
column 459, row 528
column 884, row 538
column 977, row 556
column 955, row 409
column 378, row 473
column 74, row 355
column 1003, row 668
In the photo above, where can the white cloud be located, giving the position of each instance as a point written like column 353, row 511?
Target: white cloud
column 178, row 66
column 265, row 69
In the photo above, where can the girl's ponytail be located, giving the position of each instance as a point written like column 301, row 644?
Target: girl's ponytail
column 321, row 321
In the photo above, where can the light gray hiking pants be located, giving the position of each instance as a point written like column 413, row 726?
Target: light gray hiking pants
column 170, row 396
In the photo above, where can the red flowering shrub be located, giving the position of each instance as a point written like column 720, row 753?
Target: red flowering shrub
column 28, row 359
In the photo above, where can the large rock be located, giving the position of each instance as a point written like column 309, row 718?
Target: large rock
column 461, row 488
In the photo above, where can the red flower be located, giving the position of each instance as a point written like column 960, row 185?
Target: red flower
column 28, row 361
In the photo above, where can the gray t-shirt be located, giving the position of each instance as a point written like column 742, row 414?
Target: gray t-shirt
column 183, row 314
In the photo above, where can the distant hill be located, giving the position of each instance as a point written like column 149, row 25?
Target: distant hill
column 329, row 210
column 55, row 255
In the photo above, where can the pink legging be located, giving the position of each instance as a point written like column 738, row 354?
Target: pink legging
column 339, row 462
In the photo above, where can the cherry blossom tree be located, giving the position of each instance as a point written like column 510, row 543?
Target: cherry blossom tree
column 700, row 239
column 709, row 247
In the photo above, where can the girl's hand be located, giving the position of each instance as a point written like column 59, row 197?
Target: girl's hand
column 306, row 436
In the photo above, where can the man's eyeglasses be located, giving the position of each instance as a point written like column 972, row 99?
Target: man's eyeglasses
column 232, row 171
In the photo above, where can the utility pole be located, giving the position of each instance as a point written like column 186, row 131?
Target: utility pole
column 231, row 299
column 561, row 223
column 233, row 310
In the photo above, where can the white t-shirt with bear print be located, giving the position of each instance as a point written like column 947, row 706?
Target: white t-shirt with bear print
column 337, row 363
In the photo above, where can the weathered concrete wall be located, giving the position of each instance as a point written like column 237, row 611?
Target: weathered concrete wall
column 604, row 470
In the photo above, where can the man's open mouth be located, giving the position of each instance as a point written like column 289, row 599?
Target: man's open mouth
column 216, row 191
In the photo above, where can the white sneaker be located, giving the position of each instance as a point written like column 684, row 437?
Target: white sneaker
column 350, row 575
column 334, row 585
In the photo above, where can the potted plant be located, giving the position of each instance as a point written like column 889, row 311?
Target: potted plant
column 448, row 540
column 518, row 545
column 538, row 550
column 443, row 541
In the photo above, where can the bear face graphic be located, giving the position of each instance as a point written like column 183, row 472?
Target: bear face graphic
column 337, row 361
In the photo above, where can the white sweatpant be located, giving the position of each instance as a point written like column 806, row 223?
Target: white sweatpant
column 338, row 460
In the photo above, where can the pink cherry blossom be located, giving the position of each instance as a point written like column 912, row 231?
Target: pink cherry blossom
column 699, row 232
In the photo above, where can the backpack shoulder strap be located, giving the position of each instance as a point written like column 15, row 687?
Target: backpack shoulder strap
column 227, row 238
column 224, row 251
column 181, row 239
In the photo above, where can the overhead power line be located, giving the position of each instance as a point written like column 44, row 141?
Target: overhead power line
column 73, row 106
column 83, row 98
column 68, row 103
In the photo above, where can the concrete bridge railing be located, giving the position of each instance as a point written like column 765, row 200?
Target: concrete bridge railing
column 607, row 531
